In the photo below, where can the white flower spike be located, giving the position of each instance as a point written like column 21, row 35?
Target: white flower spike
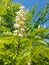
column 19, row 22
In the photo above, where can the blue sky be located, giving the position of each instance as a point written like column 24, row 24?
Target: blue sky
column 29, row 3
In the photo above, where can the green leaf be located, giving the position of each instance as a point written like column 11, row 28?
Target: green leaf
column 3, row 10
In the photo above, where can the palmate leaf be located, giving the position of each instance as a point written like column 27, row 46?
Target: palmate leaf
column 41, row 30
column 39, row 41
column 4, row 39
column 8, row 38
column 4, row 29
column 38, row 32
column 1, row 45
column 46, row 52
column 42, row 42
column 41, row 17
column 36, row 51
column 2, row 10
column 25, row 58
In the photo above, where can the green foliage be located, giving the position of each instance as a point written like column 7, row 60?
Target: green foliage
column 15, row 50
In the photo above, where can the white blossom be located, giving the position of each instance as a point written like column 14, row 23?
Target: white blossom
column 22, row 29
column 16, row 25
column 20, row 34
column 22, row 22
column 19, row 21
column 18, row 12
column 21, row 10
column 23, row 13
column 16, row 20
column 28, row 63
column 15, row 31
column 20, row 15
column 23, row 18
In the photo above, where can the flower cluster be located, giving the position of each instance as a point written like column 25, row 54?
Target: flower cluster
column 20, row 22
